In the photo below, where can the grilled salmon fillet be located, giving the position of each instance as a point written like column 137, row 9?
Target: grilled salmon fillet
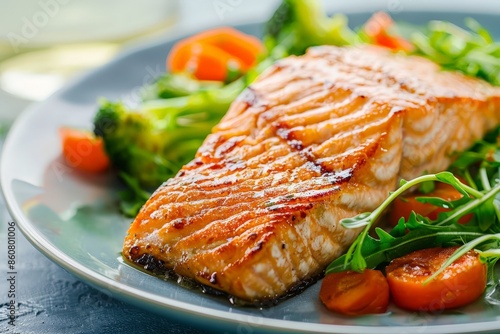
column 314, row 139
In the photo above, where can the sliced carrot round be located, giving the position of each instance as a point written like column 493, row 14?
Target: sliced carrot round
column 83, row 151
column 207, row 62
column 212, row 54
column 353, row 293
column 377, row 28
column 459, row 284
column 242, row 46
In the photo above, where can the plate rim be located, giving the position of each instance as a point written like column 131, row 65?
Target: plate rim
column 124, row 292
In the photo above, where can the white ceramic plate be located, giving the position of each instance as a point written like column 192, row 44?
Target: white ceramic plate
column 73, row 218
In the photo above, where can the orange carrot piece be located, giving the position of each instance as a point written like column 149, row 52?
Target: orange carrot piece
column 402, row 207
column 353, row 293
column 461, row 283
column 377, row 29
column 83, row 151
column 210, row 55
column 207, row 62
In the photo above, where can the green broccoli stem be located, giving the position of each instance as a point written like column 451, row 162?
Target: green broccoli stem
column 322, row 29
column 172, row 85
column 299, row 24
column 199, row 111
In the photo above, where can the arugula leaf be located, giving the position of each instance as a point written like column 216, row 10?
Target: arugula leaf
column 354, row 256
column 471, row 51
column 480, row 168
column 395, row 244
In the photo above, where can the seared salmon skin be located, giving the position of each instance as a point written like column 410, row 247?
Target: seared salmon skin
column 315, row 139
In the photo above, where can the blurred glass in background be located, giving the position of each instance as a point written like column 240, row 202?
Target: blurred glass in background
column 44, row 42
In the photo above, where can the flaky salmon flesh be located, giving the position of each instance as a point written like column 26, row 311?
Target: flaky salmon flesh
column 315, row 139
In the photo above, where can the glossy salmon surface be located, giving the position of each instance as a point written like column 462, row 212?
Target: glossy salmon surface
column 314, row 139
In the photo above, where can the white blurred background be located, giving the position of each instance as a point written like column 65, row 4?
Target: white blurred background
column 44, row 43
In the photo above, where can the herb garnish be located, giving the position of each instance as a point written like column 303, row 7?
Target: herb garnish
column 479, row 167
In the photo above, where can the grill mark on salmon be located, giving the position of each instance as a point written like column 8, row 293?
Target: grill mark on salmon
column 314, row 139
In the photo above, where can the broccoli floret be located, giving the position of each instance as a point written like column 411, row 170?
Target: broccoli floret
column 154, row 141
column 133, row 142
column 151, row 143
column 299, row 24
